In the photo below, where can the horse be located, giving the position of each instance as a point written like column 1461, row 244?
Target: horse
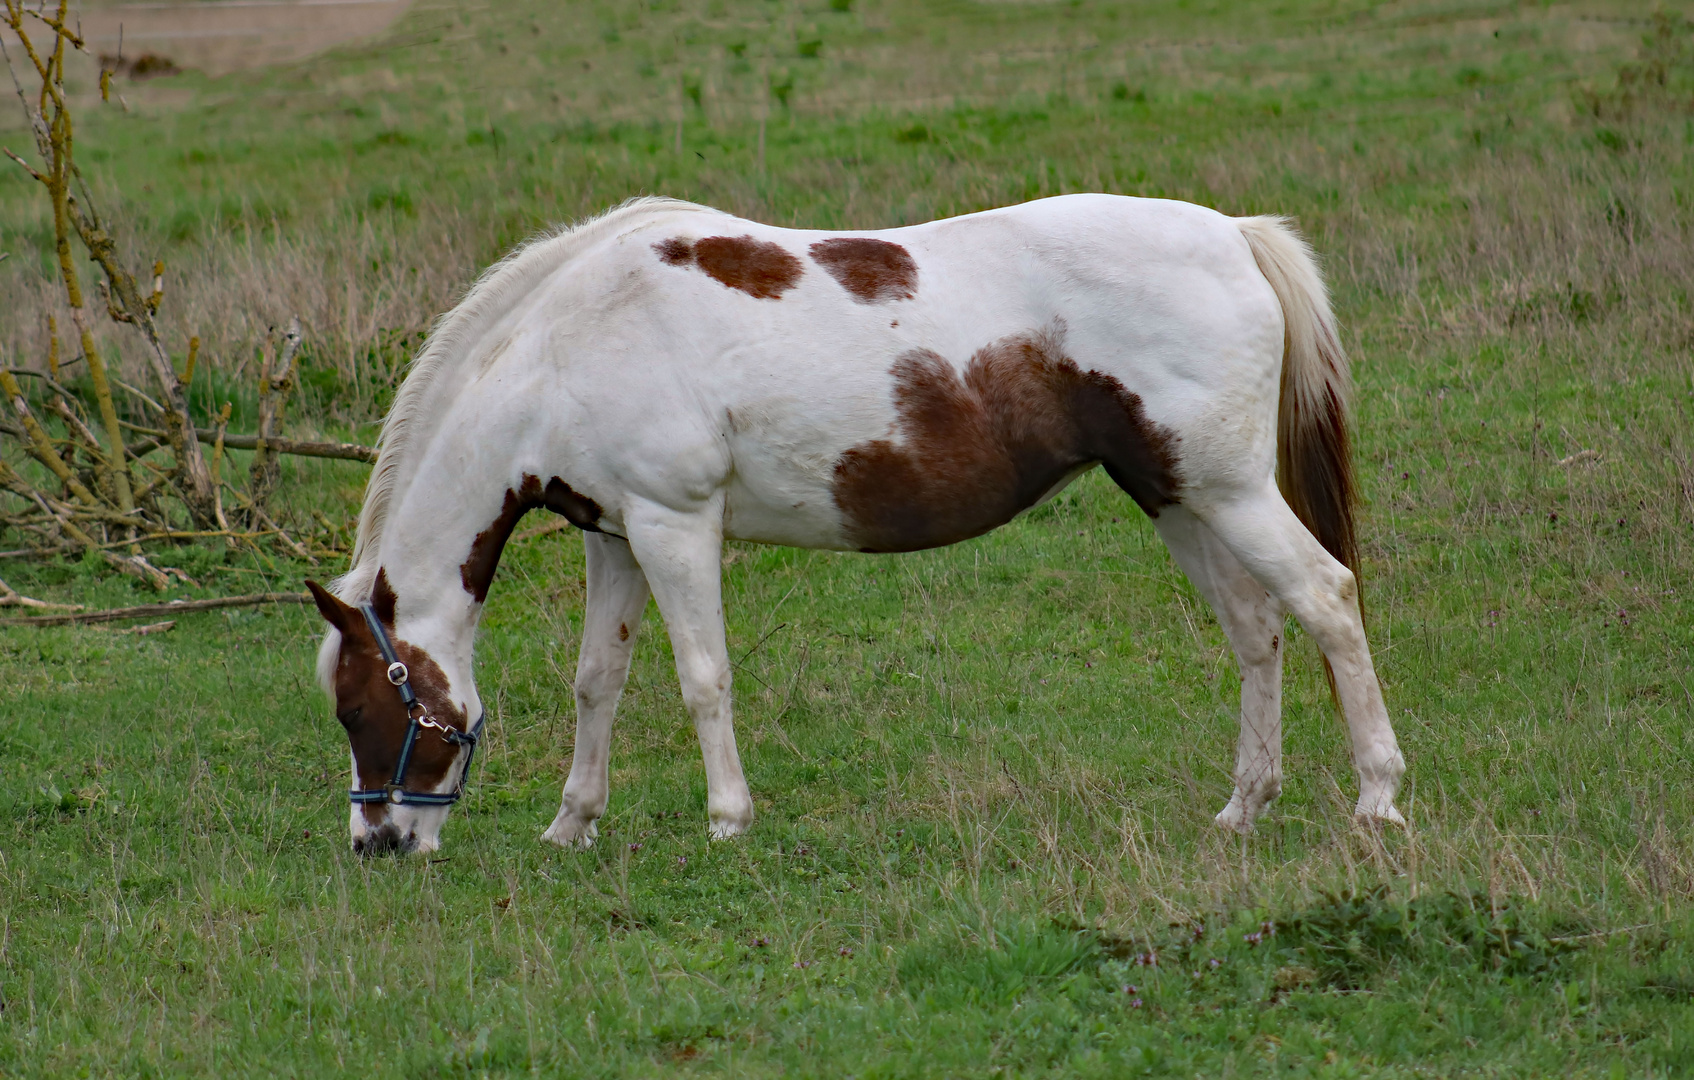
column 667, row 376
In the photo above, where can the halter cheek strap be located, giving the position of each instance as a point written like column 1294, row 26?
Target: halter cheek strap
column 417, row 718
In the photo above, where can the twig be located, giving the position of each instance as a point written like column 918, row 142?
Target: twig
column 276, row 381
column 263, row 518
column 149, row 628
column 216, row 469
column 298, row 447
column 345, row 451
column 1602, row 933
column 141, row 611
column 542, row 530
column 158, row 408
column 51, row 382
column 10, row 597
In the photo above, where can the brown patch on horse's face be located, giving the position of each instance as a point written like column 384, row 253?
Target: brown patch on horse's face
column 476, row 573
column 369, row 706
column 757, row 267
column 874, row 271
column 972, row 454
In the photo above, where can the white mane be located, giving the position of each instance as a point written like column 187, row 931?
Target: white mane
column 490, row 296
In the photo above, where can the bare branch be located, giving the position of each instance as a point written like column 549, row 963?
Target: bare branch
column 142, row 611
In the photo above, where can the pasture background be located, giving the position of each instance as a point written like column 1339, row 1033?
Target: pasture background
column 984, row 775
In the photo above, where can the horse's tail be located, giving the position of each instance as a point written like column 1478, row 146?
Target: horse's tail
column 1314, row 461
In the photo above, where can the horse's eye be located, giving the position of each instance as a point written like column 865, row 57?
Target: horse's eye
column 351, row 716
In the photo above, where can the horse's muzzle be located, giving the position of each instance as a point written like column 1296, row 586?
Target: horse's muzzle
column 384, row 840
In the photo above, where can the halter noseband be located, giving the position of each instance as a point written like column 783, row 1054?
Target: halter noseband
column 418, row 718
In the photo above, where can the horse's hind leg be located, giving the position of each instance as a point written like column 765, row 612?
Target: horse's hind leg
column 1252, row 619
column 1271, row 543
column 617, row 596
column 682, row 555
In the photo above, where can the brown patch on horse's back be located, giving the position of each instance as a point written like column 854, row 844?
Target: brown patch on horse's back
column 476, row 573
column 623, row 631
column 677, row 251
column 974, row 452
column 873, row 271
column 759, row 268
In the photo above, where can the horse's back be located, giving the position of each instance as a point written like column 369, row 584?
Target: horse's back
column 903, row 388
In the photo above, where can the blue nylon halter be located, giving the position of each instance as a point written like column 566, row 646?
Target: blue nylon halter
column 418, row 718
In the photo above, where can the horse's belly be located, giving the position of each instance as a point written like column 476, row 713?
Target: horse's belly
column 806, row 522
column 780, row 491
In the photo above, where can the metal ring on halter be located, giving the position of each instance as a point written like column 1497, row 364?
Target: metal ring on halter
column 428, row 721
column 397, row 673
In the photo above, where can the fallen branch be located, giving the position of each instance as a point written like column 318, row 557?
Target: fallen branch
column 300, row 447
column 150, row 628
column 10, row 597
column 543, row 530
column 141, row 611
column 346, row 451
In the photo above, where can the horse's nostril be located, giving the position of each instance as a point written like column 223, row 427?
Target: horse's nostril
column 383, row 841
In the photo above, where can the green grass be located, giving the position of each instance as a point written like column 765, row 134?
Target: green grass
column 984, row 775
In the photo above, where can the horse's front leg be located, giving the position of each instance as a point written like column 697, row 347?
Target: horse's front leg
column 681, row 553
column 617, row 596
column 1252, row 619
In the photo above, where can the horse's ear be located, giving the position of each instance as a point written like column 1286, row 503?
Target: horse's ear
column 331, row 607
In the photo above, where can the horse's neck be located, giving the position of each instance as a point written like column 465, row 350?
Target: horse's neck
column 436, row 530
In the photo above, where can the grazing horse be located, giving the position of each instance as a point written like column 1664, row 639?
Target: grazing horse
column 667, row 376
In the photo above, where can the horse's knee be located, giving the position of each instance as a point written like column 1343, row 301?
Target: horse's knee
column 1259, row 647
column 704, row 688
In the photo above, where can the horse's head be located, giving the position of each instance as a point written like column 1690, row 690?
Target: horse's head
column 410, row 736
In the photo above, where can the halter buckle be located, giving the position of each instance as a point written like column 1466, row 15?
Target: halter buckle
column 447, row 731
column 397, row 673
column 396, row 794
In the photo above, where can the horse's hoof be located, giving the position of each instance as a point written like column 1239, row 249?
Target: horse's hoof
column 1377, row 814
column 727, row 828
column 1235, row 818
column 570, row 831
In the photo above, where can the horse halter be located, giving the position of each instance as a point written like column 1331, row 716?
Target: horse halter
column 418, row 718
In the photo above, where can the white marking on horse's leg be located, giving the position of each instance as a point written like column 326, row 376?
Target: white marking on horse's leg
column 1252, row 618
column 682, row 553
column 1277, row 550
column 617, row 596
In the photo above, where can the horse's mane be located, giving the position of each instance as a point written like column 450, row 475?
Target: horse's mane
column 490, row 296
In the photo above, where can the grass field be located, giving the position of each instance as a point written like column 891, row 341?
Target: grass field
column 984, row 775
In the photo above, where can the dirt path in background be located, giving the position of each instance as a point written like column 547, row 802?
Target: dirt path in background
column 223, row 36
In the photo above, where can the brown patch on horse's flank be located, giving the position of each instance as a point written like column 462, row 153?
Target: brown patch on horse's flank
column 623, row 631
column 874, row 271
column 476, row 573
column 973, row 453
column 757, row 267
column 1276, row 642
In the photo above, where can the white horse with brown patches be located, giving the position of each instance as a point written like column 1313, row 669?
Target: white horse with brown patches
column 668, row 376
